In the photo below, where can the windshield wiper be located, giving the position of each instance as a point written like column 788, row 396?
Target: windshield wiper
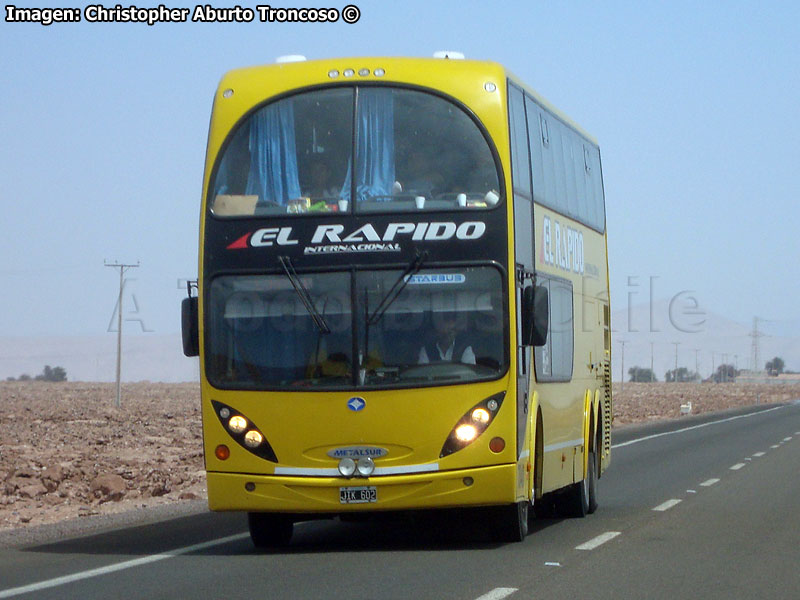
column 302, row 292
column 414, row 266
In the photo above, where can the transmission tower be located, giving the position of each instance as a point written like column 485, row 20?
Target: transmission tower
column 755, row 349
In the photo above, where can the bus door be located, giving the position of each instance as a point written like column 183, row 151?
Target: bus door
column 523, row 363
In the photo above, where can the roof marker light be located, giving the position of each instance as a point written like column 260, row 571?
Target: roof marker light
column 333, row 73
column 379, row 72
column 363, row 72
column 449, row 54
column 290, row 58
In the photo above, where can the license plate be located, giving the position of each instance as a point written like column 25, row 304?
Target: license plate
column 358, row 495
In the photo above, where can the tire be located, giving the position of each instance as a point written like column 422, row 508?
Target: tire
column 574, row 502
column 270, row 530
column 512, row 522
column 591, row 475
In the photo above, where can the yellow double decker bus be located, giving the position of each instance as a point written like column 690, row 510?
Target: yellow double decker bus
column 402, row 300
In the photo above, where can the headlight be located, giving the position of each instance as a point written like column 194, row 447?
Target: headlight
column 246, row 433
column 253, row 439
column 237, row 424
column 466, row 433
column 472, row 424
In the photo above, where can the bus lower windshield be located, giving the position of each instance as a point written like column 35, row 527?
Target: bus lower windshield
column 435, row 326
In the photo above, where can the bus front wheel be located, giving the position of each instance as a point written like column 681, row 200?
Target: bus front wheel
column 270, row 530
column 512, row 522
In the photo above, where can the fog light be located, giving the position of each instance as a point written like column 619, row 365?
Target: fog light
column 466, row 433
column 253, row 439
column 365, row 466
column 347, row 466
column 225, row 412
column 237, row 424
column 222, row 452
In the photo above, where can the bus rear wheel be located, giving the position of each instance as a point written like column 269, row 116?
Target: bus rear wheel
column 591, row 476
column 270, row 530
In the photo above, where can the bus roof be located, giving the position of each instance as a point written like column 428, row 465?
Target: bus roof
column 448, row 75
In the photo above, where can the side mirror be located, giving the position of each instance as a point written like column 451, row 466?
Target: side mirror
column 535, row 316
column 541, row 315
column 190, row 326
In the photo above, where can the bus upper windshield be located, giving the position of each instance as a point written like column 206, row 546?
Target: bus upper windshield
column 413, row 151
column 445, row 326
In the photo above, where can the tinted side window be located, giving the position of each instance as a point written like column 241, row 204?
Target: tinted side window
column 520, row 165
column 566, row 168
column 554, row 360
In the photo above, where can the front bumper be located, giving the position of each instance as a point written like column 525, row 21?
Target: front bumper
column 320, row 495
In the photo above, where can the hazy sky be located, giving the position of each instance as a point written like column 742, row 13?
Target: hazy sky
column 695, row 106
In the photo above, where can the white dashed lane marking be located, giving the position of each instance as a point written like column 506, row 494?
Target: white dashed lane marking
column 758, row 454
column 737, row 466
column 598, row 541
column 667, row 505
column 709, row 482
column 497, row 594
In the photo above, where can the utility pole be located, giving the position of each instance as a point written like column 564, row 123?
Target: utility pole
column 622, row 383
column 675, row 373
column 652, row 373
column 725, row 368
column 696, row 364
column 122, row 268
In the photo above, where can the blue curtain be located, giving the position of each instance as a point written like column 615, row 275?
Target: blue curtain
column 374, row 146
column 273, row 155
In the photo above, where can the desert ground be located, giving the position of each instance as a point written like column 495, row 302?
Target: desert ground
column 67, row 452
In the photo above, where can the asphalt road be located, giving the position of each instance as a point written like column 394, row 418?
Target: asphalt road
column 698, row 508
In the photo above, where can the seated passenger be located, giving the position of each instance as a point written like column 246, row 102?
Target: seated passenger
column 422, row 177
column 320, row 184
column 448, row 344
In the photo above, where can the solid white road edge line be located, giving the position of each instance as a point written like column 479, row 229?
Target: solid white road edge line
column 667, row 505
column 598, row 541
column 128, row 564
column 497, row 594
column 657, row 435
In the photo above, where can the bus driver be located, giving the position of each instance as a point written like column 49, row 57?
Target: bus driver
column 448, row 344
